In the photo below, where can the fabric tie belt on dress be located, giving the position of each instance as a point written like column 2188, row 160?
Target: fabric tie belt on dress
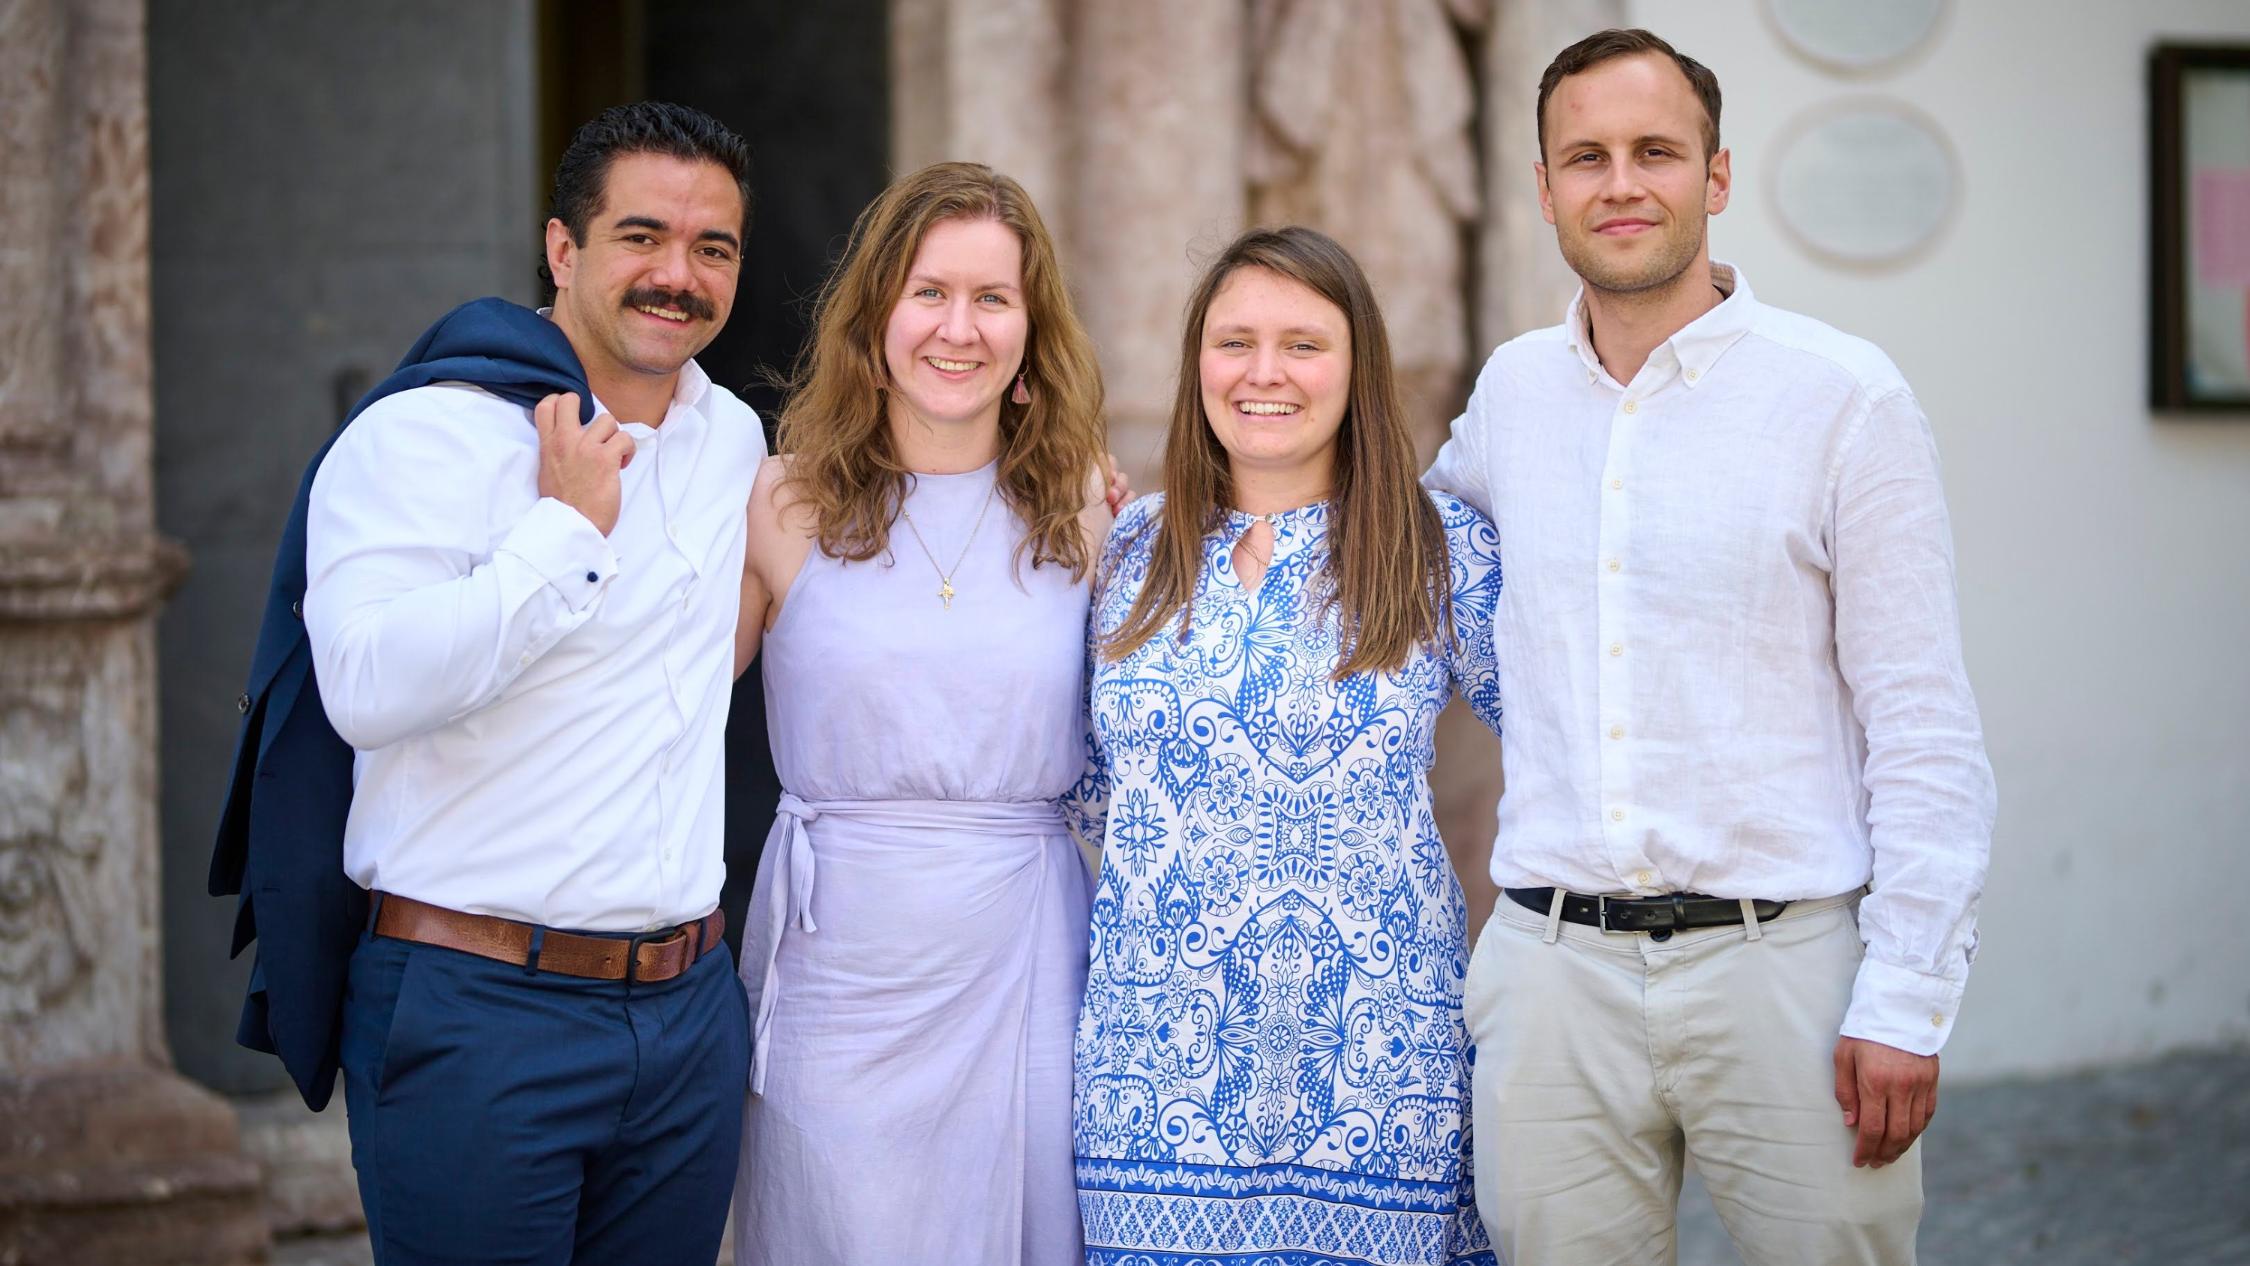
column 785, row 873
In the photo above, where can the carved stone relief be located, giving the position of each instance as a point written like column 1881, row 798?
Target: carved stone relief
column 1363, row 124
column 47, row 848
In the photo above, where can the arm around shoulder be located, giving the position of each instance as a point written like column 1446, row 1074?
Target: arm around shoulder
column 1461, row 466
column 1473, row 547
column 1095, row 519
column 780, row 537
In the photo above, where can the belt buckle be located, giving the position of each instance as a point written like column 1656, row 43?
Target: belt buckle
column 1650, row 912
column 633, row 948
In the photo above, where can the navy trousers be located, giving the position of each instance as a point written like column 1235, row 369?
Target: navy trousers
column 504, row 1115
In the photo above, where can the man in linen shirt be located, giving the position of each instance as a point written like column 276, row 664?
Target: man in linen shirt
column 1730, row 650
column 525, row 628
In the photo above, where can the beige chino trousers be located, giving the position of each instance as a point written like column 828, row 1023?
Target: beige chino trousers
column 1604, row 1058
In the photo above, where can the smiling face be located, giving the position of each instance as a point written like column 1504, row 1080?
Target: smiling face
column 955, row 338
column 1625, row 181
column 654, row 280
column 1276, row 369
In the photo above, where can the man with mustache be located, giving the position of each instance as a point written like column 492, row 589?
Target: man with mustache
column 523, row 626
column 1731, row 657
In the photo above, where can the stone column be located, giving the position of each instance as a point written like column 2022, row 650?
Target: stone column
column 1365, row 129
column 982, row 81
column 1126, row 124
column 105, row 1153
column 1160, row 103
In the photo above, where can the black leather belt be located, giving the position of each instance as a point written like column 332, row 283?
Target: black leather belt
column 1673, row 912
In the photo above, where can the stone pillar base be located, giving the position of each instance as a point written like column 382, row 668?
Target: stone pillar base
column 125, row 1163
column 311, row 1187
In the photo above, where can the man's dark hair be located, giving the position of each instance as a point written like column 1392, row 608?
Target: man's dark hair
column 644, row 127
column 1617, row 42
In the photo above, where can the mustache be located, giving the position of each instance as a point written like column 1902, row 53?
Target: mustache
column 650, row 297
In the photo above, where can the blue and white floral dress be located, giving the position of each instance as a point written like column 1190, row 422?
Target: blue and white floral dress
column 1271, row 1062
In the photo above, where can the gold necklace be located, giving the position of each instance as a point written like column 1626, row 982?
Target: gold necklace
column 945, row 576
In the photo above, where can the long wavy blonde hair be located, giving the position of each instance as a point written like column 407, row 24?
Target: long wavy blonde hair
column 1389, row 570
column 844, row 467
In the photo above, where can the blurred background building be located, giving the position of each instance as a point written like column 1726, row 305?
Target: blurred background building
column 221, row 221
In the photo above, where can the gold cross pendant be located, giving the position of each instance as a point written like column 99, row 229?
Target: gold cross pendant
column 945, row 591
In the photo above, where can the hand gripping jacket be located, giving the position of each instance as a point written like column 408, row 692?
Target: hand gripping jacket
column 281, row 835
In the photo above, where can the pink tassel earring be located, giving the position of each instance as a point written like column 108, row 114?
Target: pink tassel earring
column 1022, row 393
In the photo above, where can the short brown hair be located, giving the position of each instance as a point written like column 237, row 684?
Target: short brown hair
column 1618, row 42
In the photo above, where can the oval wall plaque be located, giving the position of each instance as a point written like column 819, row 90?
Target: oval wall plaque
column 1866, row 182
column 1855, row 35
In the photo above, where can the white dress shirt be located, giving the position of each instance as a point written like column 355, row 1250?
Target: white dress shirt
column 539, row 711
column 1728, row 637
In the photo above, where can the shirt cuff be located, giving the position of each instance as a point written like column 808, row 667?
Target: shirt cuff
column 566, row 550
column 1900, row 1007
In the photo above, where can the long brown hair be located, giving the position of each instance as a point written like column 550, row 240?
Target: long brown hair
column 843, row 465
column 1388, row 566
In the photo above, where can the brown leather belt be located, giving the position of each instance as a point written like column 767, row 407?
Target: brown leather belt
column 649, row 957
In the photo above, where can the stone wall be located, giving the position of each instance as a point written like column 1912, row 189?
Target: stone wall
column 105, row 1153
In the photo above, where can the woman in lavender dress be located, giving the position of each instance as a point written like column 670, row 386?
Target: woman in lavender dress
column 918, row 573
column 1272, row 1065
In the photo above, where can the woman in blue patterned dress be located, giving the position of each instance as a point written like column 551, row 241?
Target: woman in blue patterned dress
column 1271, row 1061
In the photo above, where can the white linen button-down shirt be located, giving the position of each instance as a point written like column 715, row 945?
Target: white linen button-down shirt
column 1728, row 637
column 539, row 711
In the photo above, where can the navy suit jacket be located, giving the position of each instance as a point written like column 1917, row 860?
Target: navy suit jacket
column 281, row 835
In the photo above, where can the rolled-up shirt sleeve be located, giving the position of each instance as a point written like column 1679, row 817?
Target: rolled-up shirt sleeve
column 418, row 611
column 1931, row 799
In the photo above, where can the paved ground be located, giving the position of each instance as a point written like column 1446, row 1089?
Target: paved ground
column 2131, row 1166
column 2147, row 1165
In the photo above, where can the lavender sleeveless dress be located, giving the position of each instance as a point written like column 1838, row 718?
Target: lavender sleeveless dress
column 916, row 947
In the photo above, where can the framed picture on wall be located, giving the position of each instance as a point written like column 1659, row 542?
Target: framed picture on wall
column 2200, row 179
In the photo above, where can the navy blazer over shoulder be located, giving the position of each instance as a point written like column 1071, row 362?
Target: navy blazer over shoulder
column 281, row 835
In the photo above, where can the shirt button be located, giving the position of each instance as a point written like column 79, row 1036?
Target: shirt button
column 1631, row 407
column 1614, row 564
column 1617, row 815
column 591, row 577
column 523, row 660
column 1616, row 649
column 1617, row 731
column 1643, row 878
column 1937, row 1021
column 1691, row 375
